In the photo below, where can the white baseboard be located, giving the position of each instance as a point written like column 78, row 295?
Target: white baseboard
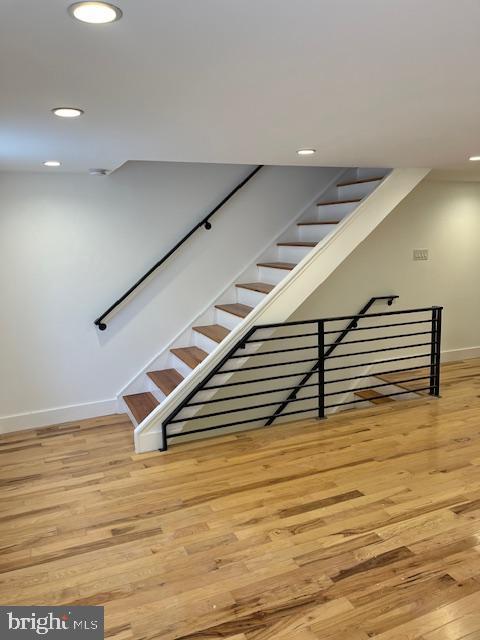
column 453, row 355
column 48, row 417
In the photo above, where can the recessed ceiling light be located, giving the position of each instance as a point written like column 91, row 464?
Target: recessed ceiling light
column 67, row 112
column 306, row 152
column 474, row 158
column 52, row 163
column 95, row 12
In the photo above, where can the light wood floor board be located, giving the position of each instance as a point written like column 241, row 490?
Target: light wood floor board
column 363, row 525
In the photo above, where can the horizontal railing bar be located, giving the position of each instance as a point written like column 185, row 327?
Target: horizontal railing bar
column 333, row 344
column 400, row 393
column 379, row 314
column 381, row 326
column 377, row 373
column 257, row 380
column 375, row 386
column 265, row 366
column 336, row 331
column 294, row 335
column 341, row 318
column 237, row 422
column 272, row 353
column 279, row 364
column 247, row 395
column 251, row 408
column 364, row 364
column 306, row 335
column 363, row 353
column 398, row 335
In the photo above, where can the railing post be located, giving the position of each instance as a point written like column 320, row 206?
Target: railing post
column 435, row 351
column 321, row 368
column 164, row 446
column 438, row 350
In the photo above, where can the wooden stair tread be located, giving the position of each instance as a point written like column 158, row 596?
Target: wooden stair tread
column 414, row 385
column 191, row 356
column 297, row 244
column 288, row 266
column 236, row 309
column 141, row 404
column 373, row 396
column 308, row 222
column 329, row 203
column 166, row 379
column 261, row 287
column 213, row 331
column 361, row 181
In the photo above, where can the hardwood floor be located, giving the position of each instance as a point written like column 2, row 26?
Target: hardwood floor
column 364, row 525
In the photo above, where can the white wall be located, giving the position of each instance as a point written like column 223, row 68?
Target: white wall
column 71, row 244
column 441, row 216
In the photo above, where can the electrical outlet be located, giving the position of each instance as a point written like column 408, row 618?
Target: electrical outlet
column 420, row 254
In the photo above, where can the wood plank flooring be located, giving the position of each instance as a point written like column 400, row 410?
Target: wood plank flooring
column 366, row 525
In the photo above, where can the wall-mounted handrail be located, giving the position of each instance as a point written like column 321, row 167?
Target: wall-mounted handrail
column 205, row 222
column 425, row 332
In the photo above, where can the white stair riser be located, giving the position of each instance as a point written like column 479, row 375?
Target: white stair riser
column 293, row 254
column 314, row 232
column 124, row 408
column 158, row 393
column 202, row 342
column 227, row 320
column 248, row 297
column 335, row 211
column 179, row 365
column 274, row 276
column 140, row 385
column 357, row 190
column 363, row 174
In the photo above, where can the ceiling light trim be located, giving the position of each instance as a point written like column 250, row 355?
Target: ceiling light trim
column 75, row 11
column 68, row 112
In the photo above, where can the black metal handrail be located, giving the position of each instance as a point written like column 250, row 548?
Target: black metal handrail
column 396, row 346
column 204, row 222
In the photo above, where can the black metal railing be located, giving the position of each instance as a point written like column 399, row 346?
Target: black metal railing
column 351, row 325
column 266, row 364
column 204, row 222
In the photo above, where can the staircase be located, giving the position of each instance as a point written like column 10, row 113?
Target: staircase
column 182, row 357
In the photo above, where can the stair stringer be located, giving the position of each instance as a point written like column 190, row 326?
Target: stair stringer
column 300, row 283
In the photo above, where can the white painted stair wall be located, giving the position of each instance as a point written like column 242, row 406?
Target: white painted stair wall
column 234, row 293
column 336, row 242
